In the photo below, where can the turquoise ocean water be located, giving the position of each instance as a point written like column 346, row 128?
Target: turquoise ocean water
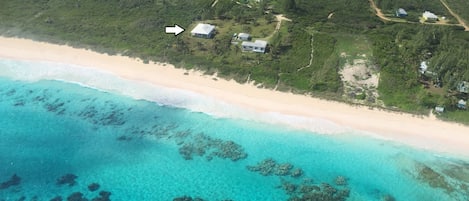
column 142, row 142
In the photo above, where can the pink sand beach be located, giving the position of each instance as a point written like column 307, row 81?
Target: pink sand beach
column 420, row 132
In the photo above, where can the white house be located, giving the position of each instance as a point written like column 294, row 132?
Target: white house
column 439, row 109
column 256, row 46
column 423, row 67
column 203, row 31
column 429, row 16
column 244, row 36
column 462, row 104
column 463, row 87
column 401, row 12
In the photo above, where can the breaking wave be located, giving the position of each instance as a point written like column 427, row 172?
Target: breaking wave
column 33, row 71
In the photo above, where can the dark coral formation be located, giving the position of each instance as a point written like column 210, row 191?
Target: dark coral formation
column 95, row 111
column 309, row 192
column 109, row 115
column 76, row 196
column 187, row 198
column 124, row 138
column 388, row 198
column 340, row 181
column 67, row 179
column 433, row 178
column 56, row 107
column 14, row 180
column 56, row 198
column 305, row 190
column 93, row 187
column 270, row 167
column 103, row 196
column 204, row 145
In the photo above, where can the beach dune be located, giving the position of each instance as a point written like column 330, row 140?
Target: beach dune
column 420, row 132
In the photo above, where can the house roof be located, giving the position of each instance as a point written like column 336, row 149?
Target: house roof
column 439, row 109
column 463, row 87
column 423, row 67
column 401, row 11
column 244, row 35
column 204, row 29
column 429, row 15
column 462, row 102
column 257, row 43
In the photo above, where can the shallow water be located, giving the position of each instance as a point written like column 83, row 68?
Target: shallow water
column 132, row 148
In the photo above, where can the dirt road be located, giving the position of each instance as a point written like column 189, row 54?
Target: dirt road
column 460, row 20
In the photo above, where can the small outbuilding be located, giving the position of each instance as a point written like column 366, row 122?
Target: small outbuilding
column 463, row 87
column 401, row 12
column 439, row 109
column 244, row 36
column 423, row 67
column 258, row 46
column 429, row 16
column 203, row 31
column 462, row 104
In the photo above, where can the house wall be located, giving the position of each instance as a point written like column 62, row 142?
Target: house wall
column 203, row 35
column 247, row 48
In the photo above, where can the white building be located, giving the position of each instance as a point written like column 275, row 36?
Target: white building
column 244, row 36
column 256, row 46
column 423, row 67
column 429, row 16
column 203, row 31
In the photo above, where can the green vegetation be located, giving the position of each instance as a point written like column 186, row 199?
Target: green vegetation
column 304, row 56
column 415, row 8
column 402, row 47
column 434, row 6
column 460, row 8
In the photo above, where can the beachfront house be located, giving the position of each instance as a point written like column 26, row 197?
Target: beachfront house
column 258, row 46
column 463, row 87
column 462, row 104
column 244, row 36
column 429, row 16
column 401, row 12
column 423, row 67
column 439, row 109
column 203, row 31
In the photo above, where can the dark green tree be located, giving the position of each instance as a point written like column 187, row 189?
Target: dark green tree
column 290, row 5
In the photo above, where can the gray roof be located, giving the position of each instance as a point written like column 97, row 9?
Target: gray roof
column 429, row 15
column 243, row 35
column 401, row 11
column 257, row 43
column 463, row 87
column 204, row 29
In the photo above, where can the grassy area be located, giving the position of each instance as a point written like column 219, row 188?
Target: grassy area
column 353, row 46
column 460, row 116
column 413, row 6
column 460, row 8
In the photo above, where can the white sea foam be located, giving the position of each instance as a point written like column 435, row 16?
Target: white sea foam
column 108, row 82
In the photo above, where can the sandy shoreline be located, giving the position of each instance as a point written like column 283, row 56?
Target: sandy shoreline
column 426, row 133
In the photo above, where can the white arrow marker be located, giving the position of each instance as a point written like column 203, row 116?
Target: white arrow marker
column 176, row 30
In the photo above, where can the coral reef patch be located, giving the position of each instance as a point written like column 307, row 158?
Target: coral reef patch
column 67, row 179
column 76, row 196
column 14, row 180
column 269, row 167
column 189, row 198
column 93, row 187
column 304, row 190
column 204, row 145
